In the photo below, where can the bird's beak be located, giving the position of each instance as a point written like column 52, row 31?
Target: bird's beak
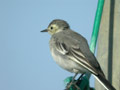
column 44, row 30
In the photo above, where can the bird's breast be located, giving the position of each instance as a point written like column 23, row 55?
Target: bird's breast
column 64, row 62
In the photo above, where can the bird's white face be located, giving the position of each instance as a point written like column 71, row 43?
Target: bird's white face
column 53, row 28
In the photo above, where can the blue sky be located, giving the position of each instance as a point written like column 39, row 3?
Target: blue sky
column 25, row 59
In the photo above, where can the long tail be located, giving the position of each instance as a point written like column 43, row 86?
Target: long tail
column 104, row 82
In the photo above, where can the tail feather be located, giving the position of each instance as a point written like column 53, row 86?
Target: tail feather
column 104, row 82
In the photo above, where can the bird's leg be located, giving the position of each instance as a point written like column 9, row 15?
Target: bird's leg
column 74, row 77
column 80, row 77
column 73, row 83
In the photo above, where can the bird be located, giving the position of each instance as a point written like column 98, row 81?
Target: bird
column 70, row 50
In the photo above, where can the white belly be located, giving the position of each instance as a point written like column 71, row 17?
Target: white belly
column 64, row 62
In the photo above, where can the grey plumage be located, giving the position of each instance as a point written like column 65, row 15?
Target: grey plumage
column 70, row 51
column 74, row 44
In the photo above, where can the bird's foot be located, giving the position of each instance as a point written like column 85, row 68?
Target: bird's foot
column 73, row 84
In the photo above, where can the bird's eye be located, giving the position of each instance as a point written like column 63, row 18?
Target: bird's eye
column 51, row 27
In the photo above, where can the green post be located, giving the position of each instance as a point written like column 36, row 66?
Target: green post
column 96, row 27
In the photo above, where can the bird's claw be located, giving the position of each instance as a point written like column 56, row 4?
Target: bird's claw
column 72, row 84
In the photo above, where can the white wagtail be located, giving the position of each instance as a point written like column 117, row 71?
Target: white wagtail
column 70, row 51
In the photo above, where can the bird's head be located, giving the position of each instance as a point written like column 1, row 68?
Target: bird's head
column 56, row 26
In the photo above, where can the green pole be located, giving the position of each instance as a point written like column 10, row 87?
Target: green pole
column 96, row 28
column 84, row 84
column 96, row 25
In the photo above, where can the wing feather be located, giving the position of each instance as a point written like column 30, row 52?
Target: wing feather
column 61, row 48
column 82, row 61
column 75, row 55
